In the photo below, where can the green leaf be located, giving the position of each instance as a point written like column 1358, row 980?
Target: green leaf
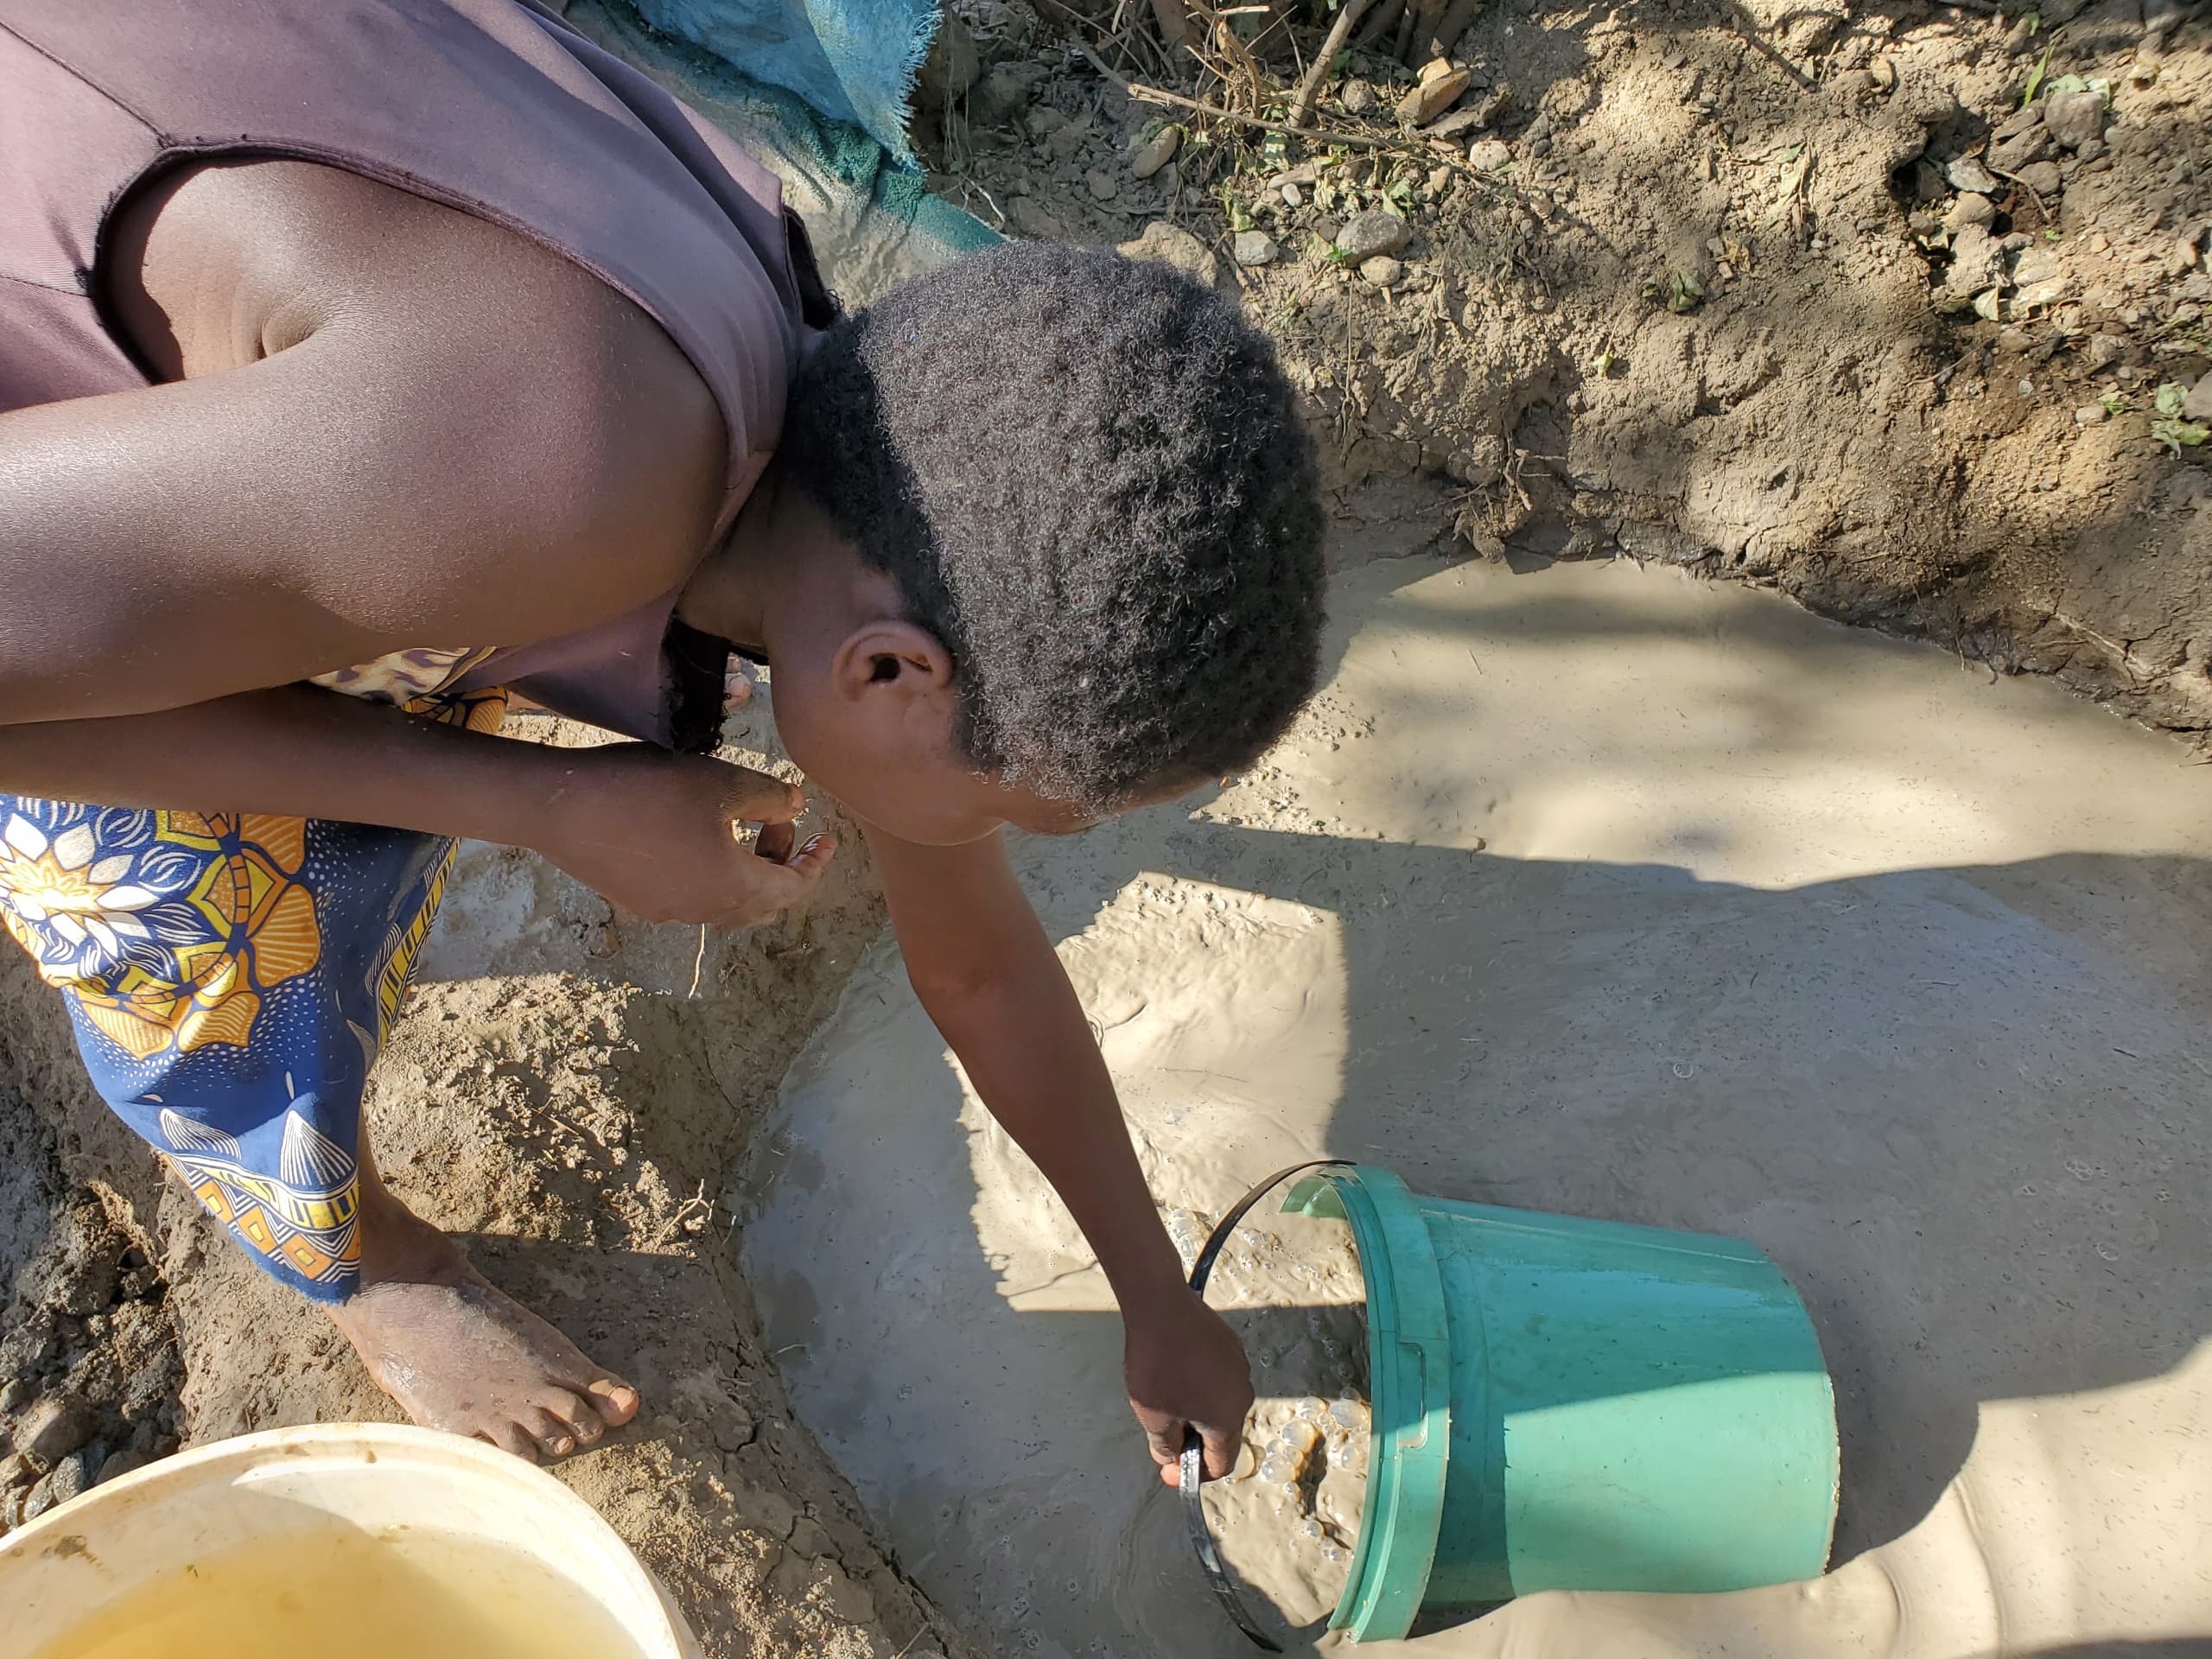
column 2169, row 398
column 2117, row 402
column 2036, row 75
column 2178, row 434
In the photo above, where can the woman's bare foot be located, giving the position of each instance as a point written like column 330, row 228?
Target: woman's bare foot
column 459, row 1354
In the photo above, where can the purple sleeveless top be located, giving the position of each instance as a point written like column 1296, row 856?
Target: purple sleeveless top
column 490, row 106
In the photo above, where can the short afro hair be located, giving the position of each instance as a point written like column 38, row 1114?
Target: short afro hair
column 1088, row 479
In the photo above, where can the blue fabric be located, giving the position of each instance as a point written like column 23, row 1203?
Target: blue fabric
column 852, row 176
column 851, row 61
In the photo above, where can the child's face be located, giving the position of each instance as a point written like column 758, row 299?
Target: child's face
column 892, row 762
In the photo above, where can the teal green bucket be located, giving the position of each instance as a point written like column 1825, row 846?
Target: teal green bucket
column 1562, row 1404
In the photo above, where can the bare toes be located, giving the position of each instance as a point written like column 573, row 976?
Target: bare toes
column 613, row 1399
column 576, row 1417
column 509, row 1437
column 554, row 1436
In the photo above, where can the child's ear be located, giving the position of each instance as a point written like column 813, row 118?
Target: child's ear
column 896, row 654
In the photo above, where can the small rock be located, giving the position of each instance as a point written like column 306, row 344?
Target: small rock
column 1368, row 235
column 72, row 1476
column 1452, row 125
column 15, row 1470
column 1433, row 71
column 2091, row 415
column 1105, row 187
column 118, row 1464
column 1439, row 179
column 2023, row 148
column 2075, row 118
column 1977, row 261
column 2104, row 351
column 1425, row 102
column 2035, row 265
column 1003, row 94
column 2026, row 118
column 1885, row 75
column 2092, row 150
column 2183, row 259
column 52, row 1428
column 1358, row 97
column 2033, row 296
column 1383, row 270
column 15, row 1393
column 1155, row 152
column 1170, row 244
column 1970, row 209
column 2197, row 406
column 1292, row 197
column 1255, row 248
column 2162, row 17
column 2042, row 177
column 1489, row 155
column 1966, row 173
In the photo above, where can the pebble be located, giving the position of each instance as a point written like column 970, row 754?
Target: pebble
column 71, row 1476
column 2022, row 148
column 1966, row 173
column 52, row 1428
column 1970, row 209
column 2099, row 243
column 1489, row 155
column 2042, row 177
column 15, row 1392
column 1255, row 248
column 118, row 1464
column 2183, row 258
column 2075, row 118
column 1374, row 232
column 1358, row 97
column 1105, row 187
column 1291, row 196
column 2091, row 415
column 1383, row 270
column 1424, row 103
column 1170, row 244
column 1155, row 152
column 2035, row 265
column 2197, row 406
column 2105, row 350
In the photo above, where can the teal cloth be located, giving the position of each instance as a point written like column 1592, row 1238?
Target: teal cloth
column 820, row 90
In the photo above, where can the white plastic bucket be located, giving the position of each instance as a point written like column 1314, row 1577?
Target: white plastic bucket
column 456, row 1518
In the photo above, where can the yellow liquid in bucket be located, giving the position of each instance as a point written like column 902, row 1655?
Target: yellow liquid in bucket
column 347, row 1595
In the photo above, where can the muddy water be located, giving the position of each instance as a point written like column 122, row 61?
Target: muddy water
column 1600, row 891
column 342, row 1593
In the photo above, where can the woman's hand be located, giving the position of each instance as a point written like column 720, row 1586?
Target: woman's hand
column 1186, row 1369
column 663, row 835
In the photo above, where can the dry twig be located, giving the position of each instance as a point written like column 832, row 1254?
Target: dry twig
column 1144, row 94
column 1348, row 14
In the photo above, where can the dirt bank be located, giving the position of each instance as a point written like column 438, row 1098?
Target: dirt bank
column 1697, row 286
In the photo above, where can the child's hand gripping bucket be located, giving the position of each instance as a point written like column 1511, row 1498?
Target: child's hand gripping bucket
column 1562, row 1404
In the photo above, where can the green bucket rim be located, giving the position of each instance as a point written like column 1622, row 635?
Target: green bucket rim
column 1409, row 1385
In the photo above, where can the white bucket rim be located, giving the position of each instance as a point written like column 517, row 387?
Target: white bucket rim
column 353, row 1442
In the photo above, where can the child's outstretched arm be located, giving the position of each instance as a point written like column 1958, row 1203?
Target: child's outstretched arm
column 987, row 976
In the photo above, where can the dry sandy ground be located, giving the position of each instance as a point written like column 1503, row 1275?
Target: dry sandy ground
column 1601, row 890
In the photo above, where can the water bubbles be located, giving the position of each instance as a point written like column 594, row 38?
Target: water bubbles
column 1349, row 1413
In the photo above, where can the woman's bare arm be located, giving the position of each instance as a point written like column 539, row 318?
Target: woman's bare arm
column 439, row 435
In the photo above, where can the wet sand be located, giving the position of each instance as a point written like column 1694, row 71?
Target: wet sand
column 1596, row 891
